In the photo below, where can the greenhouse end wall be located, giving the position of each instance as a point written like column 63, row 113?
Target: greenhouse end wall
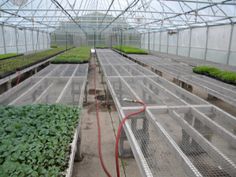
column 17, row 40
column 106, row 39
column 216, row 43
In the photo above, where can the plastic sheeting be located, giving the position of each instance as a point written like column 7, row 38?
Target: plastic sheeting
column 217, row 43
column 16, row 40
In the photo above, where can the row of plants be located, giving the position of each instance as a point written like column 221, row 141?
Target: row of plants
column 75, row 55
column 8, row 55
column 130, row 50
column 225, row 76
column 35, row 139
column 54, row 46
column 12, row 65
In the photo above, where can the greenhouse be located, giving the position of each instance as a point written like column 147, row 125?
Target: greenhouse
column 118, row 88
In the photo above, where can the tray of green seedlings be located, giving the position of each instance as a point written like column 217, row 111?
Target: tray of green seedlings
column 9, row 56
column 36, row 140
column 73, row 56
column 222, row 75
column 10, row 66
column 130, row 50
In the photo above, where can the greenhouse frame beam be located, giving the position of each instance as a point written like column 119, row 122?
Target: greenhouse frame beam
column 57, row 4
column 109, row 8
column 112, row 10
column 193, row 10
column 193, row 25
column 186, row 13
column 31, row 17
column 25, row 18
column 132, row 4
column 105, row 22
column 25, row 27
column 204, row 2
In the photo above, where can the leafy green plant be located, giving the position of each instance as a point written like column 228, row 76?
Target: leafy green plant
column 76, row 55
column 8, row 55
column 22, row 61
column 130, row 50
column 225, row 76
column 35, row 139
column 54, row 46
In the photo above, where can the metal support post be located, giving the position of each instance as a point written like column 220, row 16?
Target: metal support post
column 43, row 40
column 94, row 39
column 177, row 43
column 140, row 44
column 124, row 152
column 55, row 38
column 121, row 38
column 190, row 41
column 38, row 43
column 160, row 42
column 189, row 146
column 149, row 41
column 66, row 40
column 25, row 40
column 16, row 38
column 206, row 46
column 4, row 40
column 78, row 154
column 167, row 50
column 9, row 86
column 86, row 93
column 230, row 43
column 32, row 32
column 153, row 45
column 142, row 132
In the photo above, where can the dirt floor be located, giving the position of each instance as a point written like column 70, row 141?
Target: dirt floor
column 90, row 165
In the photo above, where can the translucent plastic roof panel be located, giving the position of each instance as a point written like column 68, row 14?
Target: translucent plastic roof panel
column 103, row 15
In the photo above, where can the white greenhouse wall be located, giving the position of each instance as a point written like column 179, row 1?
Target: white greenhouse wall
column 172, row 47
column 15, row 40
column 10, row 39
column 146, row 41
column 216, row 43
column 183, row 42
column 1, row 41
column 198, row 43
column 232, row 55
column 142, row 41
column 157, row 42
column 21, row 41
column 164, row 42
column 151, row 41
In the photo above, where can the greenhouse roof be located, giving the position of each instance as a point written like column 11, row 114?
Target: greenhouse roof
column 142, row 15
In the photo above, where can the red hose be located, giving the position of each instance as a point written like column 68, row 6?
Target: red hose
column 99, row 128
column 119, row 132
